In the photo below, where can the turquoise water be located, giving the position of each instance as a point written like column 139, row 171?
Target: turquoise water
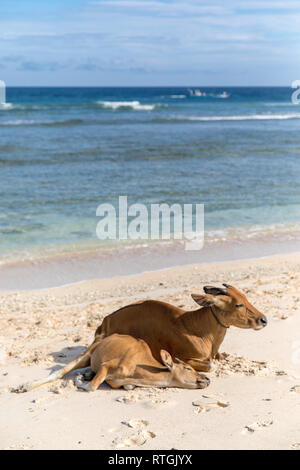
column 64, row 151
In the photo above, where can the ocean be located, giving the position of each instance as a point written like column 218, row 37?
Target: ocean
column 64, row 151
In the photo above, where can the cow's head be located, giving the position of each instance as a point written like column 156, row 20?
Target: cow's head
column 231, row 307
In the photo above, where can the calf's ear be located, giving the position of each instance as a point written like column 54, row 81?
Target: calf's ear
column 167, row 359
column 203, row 300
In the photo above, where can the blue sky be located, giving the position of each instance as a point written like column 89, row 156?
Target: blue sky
column 149, row 42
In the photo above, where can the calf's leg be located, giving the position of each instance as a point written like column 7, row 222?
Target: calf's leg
column 83, row 360
column 97, row 380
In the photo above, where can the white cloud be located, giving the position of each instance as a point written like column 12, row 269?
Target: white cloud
column 155, row 36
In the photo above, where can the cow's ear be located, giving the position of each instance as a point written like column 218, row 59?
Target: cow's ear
column 203, row 300
column 215, row 290
column 208, row 300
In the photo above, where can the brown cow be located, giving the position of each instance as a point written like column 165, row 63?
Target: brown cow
column 192, row 336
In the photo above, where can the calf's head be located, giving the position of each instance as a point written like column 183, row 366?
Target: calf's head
column 183, row 375
column 231, row 307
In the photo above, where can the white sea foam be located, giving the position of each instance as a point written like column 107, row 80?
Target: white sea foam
column 6, row 106
column 135, row 105
column 16, row 106
column 178, row 96
column 247, row 117
column 18, row 122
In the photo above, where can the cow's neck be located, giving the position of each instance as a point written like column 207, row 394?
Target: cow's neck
column 203, row 324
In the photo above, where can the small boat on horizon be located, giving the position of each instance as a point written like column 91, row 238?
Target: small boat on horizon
column 196, row 92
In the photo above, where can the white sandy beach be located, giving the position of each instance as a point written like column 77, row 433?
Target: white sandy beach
column 253, row 401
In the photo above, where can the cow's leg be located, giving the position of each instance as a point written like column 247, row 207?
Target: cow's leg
column 200, row 365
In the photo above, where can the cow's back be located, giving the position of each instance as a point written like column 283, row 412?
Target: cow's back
column 153, row 321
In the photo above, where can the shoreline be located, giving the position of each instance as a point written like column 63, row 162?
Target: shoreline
column 164, row 270
column 75, row 267
column 45, row 329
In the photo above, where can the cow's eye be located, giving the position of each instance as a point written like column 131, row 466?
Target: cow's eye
column 239, row 305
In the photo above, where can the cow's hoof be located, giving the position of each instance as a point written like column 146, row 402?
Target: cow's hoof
column 86, row 386
column 221, row 356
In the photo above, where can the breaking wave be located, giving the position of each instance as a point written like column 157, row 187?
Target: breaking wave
column 127, row 105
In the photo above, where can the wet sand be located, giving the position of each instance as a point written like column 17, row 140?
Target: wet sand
column 253, row 401
column 41, row 269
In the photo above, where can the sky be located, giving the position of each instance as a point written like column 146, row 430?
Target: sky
column 149, row 42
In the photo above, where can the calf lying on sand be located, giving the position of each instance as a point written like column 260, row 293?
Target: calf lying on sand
column 192, row 336
column 122, row 360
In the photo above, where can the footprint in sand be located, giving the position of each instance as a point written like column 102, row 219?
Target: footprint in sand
column 158, row 403
column 149, row 401
column 135, row 423
column 258, row 425
column 295, row 446
column 205, row 407
column 129, row 399
column 137, row 439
